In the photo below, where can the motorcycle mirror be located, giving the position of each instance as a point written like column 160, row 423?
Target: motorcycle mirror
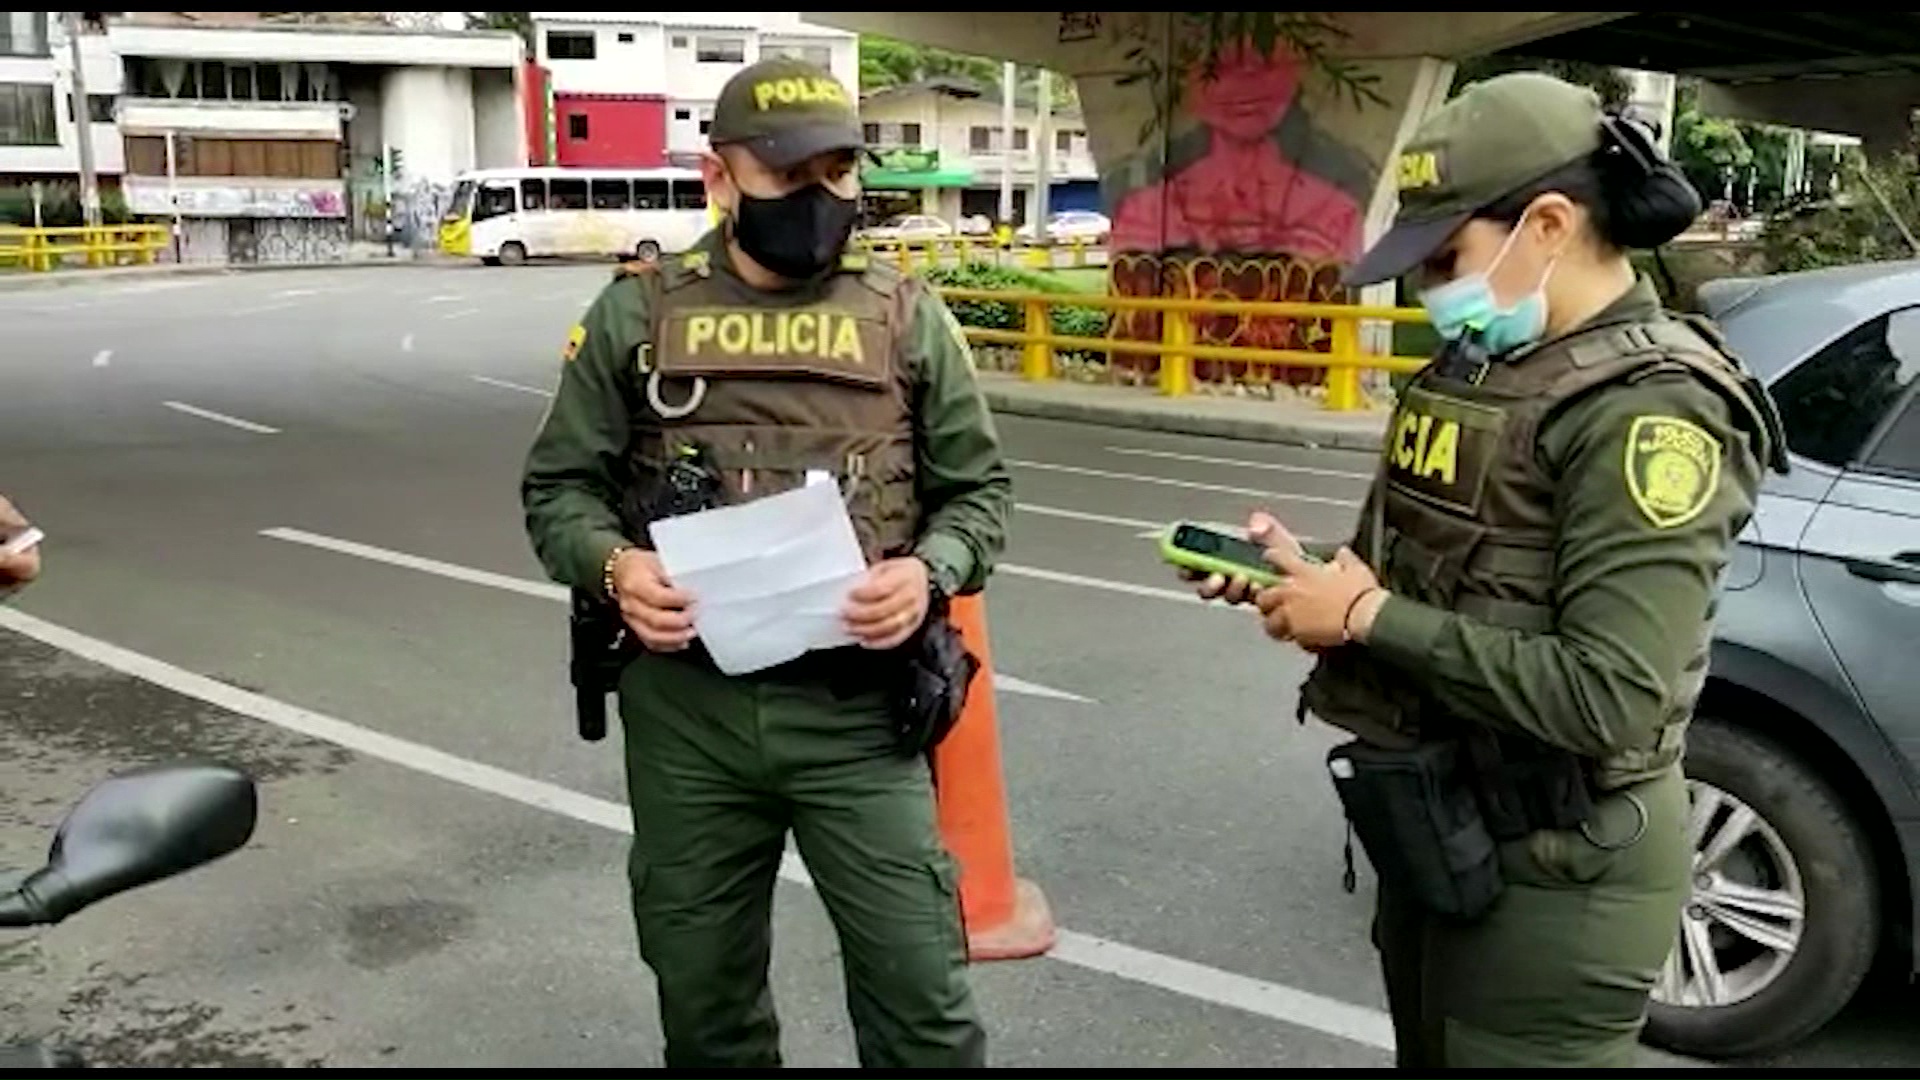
column 135, row 829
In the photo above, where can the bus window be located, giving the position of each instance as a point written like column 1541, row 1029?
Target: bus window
column 567, row 194
column 494, row 201
column 689, row 195
column 610, row 194
column 649, row 194
column 533, row 194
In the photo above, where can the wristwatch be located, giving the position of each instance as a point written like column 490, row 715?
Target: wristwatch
column 940, row 585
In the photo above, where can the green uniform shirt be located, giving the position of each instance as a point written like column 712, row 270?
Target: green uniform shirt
column 1631, row 595
column 569, row 486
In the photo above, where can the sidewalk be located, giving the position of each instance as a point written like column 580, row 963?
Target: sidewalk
column 1249, row 419
column 20, row 280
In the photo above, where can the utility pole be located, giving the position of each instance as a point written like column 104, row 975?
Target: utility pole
column 82, row 122
column 1009, row 75
column 1042, row 155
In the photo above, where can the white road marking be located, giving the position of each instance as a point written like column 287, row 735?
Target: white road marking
column 548, row 591
column 1082, row 515
column 445, row 299
column 261, row 309
column 504, row 384
column 297, row 292
column 1243, row 463
column 1167, row 481
column 220, row 418
column 1129, row 588
column 103, row 358
column 1355, row 1023
column 462, row 313
column 406, row 343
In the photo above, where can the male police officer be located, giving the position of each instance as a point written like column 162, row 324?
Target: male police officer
column 766, row 354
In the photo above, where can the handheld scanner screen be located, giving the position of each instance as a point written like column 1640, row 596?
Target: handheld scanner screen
column 1196, row 547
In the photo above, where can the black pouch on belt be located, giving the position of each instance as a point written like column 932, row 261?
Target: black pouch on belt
column 1420, row 824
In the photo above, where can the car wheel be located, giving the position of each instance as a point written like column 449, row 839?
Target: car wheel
column 1784, row 919
column 646, row 251
column 513, row 253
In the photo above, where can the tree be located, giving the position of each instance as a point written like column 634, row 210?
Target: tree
column 520, row 22
column 886, row 61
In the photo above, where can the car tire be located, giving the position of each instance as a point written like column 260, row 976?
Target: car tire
column 513, row 253
column 1787, row 995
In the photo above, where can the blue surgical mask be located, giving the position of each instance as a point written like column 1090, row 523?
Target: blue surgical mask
column 1467, row 305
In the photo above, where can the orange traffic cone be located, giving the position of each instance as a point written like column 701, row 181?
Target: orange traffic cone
column 1006, row 917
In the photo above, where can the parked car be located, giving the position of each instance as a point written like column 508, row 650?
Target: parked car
column 910, row 229
column 1805, row 747
column 1067, row 226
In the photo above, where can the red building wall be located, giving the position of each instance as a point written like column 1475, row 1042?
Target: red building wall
column 533, row 107
column 622, row 130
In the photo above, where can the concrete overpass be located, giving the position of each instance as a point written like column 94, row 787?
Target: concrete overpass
column 1241, row 153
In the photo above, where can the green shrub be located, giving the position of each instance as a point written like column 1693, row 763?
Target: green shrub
column 1069, row 319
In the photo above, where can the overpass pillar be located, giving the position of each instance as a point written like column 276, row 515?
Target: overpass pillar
column 1248, row 173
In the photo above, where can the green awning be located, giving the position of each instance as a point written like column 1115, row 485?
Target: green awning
column 948, row 177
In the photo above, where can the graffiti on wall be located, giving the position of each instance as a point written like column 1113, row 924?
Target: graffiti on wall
column 199, row 198
column 418, row 206
column 1237, row 194
column 251, row 241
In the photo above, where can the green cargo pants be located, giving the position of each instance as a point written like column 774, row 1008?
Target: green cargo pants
column 1557, row 974
column 719, row 769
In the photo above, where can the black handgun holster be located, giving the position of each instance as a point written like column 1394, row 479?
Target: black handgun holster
column 1419, row 820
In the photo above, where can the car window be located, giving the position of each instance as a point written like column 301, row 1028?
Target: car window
column 1898, row 451
column 1832, row 403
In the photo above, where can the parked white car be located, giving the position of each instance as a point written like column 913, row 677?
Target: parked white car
column 910, row 228
column 1068, row 226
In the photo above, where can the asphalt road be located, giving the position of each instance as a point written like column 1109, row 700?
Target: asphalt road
column 284, row 529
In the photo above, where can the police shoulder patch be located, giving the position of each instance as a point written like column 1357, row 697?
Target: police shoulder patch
column 1673, row 469
column 576, row 337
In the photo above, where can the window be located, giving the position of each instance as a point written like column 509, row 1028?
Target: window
column 570, row 45
column 649, row 194
column 817, row 55
column 1020, row 138
column 26, row 115
column 567, row 194
column 979, row 139
column 706, row 124
column 494, row 201
column 683, row 114
column 1063, row 141
column 689, row 195
column 679, row 41
column 1899, row 450
column 720, row 50
column 24, row 33
column 910, row 134
column 1832, row 403
column 576, row 125
column 626, row 38
column 99, row 107
column 871, row 133
column 533, row 194
column 609, row 194
column 282, row 159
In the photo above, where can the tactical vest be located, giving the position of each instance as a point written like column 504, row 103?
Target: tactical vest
column 1462, row 515
column 773, row 387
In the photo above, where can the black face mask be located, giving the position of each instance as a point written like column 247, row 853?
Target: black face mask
column 798, row 234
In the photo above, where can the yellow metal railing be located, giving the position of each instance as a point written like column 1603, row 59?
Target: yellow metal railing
column 1178, row 346
column 935, row 251
column 106, row 245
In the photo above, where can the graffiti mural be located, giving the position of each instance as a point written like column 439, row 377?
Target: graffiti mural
column 202, row 198
column 417, row 208
column 1236, row 194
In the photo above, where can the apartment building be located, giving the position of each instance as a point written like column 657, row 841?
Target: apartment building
column 39, row 135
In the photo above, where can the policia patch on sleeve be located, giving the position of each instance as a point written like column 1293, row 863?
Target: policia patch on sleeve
column 576, row 337
column 1673, row 469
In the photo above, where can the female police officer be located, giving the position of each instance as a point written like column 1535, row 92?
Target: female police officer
column 1519, row 631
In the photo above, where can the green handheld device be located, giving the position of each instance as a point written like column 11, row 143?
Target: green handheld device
column 1210, row 551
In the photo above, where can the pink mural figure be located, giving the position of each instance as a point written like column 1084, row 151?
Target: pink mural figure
column 1236, row 215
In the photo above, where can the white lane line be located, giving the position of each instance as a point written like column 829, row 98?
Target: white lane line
column 286, row 293
column 1127, row 587
column 1082, row 515
column 103, row 358
column 445, row 299
column 462, row 313
column 1355, row 1023
column 1243, row 463
column 1167, row 481
column 406, row 343
column 548, row 591
column 504, row 384
column 261, row 309
column 220, row 418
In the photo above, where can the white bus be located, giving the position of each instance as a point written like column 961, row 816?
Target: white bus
column 511, row 215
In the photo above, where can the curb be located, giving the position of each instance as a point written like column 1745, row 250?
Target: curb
column 1284, row 432
column 25, row 281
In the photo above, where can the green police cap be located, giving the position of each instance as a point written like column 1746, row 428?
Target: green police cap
column 785, row 111
column 1496, row 138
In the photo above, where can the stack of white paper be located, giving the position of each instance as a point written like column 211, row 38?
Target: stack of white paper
column 769, row 578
